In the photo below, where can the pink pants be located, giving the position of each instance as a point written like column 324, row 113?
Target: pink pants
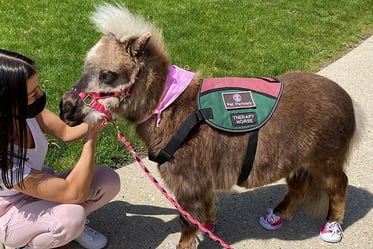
column 43, row 224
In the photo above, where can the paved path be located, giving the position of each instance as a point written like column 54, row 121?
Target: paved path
column 140, row 217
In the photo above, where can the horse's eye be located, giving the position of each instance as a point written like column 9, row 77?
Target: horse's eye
column 107, row 77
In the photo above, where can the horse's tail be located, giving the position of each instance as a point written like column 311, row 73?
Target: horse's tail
column 360, row 119
column 307, row 193
column 316, row 200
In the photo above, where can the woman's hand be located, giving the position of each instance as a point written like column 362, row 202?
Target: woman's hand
column 94, row 130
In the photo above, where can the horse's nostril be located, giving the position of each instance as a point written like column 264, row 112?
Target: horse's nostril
column 67, row 109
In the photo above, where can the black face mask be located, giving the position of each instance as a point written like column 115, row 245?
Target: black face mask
column 36, row 107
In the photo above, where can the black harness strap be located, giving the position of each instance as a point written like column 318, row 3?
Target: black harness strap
column 187, row 126
column 181, row 134
column 250, row 156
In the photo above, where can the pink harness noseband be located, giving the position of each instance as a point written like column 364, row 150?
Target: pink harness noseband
column 91, row 100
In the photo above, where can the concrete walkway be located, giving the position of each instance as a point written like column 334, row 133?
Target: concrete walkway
column 140, row 217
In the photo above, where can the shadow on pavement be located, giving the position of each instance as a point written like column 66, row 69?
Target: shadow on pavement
column 142, row 226
column 134, row 226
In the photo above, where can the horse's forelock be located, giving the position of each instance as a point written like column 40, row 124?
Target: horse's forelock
column 119, row 21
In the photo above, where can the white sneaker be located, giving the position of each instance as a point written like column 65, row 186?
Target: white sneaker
column 91, row 239
column 331, row 232
column 270, row 221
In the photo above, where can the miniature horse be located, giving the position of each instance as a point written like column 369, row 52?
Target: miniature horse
column 306, row 140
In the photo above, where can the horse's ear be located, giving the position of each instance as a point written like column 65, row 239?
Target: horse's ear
column 137, row 46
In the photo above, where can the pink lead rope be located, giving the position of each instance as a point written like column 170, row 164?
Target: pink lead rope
column 91, row 101
column 203, row 228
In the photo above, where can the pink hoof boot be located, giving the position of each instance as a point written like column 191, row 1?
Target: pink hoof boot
column 331, row 232
column 270, row 221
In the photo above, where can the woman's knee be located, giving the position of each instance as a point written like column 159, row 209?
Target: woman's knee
column 70, row 222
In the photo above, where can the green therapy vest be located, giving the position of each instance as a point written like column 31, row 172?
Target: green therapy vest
column 239, row 104
column 233, row 105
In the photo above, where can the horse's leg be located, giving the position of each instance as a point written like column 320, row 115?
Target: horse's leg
column 202, row 209
column 188, row 234
column 337, row 198
column 298, row 184
column 334, row 183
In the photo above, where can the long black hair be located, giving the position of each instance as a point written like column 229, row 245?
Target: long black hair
column 15, row 70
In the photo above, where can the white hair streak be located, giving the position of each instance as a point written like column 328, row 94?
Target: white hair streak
column 119, row 21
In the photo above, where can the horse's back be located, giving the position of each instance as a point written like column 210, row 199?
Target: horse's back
column 318, row 103
column 314, row 121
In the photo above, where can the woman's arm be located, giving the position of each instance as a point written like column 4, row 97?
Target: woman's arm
column 75, row 188
column 51, row 124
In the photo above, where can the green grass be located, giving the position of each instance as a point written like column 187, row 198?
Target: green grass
column 217, row 37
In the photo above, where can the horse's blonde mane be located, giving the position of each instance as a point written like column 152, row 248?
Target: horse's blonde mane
column 120, row 22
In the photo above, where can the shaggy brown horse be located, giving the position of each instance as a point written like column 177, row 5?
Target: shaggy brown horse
column 306, row 141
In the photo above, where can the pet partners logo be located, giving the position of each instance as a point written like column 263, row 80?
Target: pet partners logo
column 238, row 100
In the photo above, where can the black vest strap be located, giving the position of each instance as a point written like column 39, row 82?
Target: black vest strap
column 250, row 156
column 181, row 134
